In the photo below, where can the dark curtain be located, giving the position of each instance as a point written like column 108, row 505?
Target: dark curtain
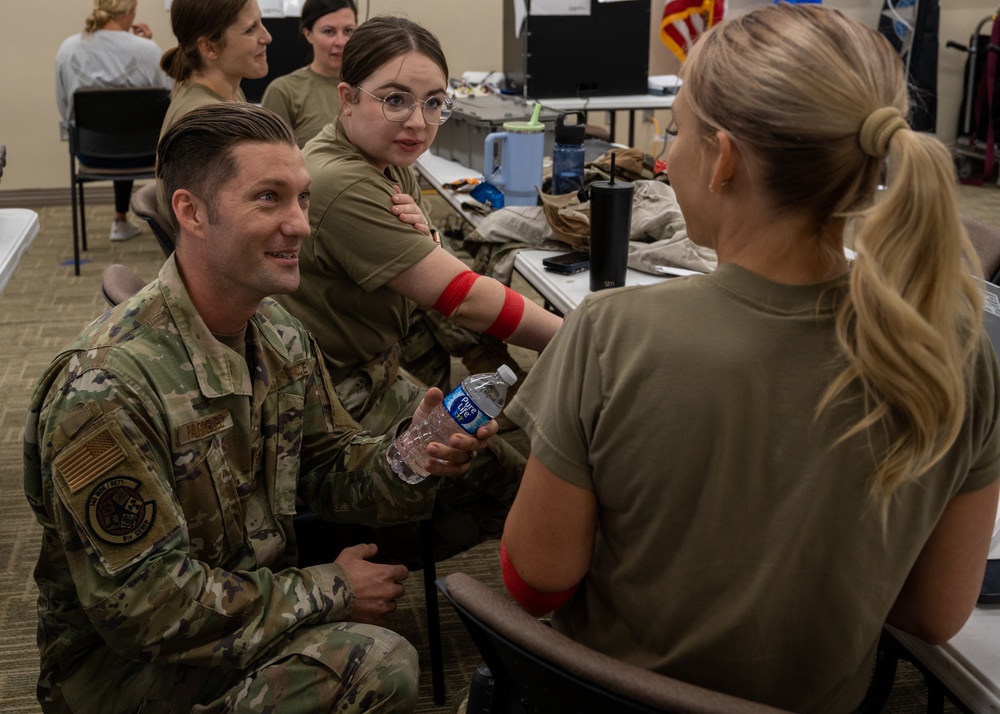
column 923, row 55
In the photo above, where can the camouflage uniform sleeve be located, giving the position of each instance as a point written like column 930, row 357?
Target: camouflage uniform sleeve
column 345, row 475
column 104, row 491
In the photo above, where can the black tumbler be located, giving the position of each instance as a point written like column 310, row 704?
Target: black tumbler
column 610, row 223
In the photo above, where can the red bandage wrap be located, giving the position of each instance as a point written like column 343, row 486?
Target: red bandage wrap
column 534, row 601
column 509, row 317
column 453, row 295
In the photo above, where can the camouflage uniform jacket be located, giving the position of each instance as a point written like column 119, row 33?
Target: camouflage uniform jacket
column 165, row 479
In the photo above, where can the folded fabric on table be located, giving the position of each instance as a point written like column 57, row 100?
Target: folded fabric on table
column 657, row 237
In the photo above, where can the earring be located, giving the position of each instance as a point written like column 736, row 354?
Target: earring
column 710, row 189
column 724, row 184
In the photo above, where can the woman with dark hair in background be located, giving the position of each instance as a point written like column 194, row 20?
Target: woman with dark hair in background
column 308, row 98
column 219, row 43
column 112, row 51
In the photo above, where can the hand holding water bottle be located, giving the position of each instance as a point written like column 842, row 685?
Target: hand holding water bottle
column 450, row 456
column 469, row 409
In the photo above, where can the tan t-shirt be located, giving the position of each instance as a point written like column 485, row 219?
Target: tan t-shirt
column 738, row 548
column 186, row 96
column 357, row 245
column 306, row 100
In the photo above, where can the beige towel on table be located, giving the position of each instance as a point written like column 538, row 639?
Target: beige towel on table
column 657, row 236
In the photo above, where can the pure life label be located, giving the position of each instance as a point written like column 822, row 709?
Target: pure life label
column 464, row 411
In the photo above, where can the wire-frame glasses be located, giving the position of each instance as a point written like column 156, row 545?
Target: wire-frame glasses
column 398, row 106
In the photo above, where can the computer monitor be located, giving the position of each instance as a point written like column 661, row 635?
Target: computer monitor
column 605, row 53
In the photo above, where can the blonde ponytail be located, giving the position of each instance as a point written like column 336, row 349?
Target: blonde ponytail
column 105, row 11
column 912, row 316
column 818, row 100
column 97, row 20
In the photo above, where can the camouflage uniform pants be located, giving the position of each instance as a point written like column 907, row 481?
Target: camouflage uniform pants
column 337, row 667
column 344, row 667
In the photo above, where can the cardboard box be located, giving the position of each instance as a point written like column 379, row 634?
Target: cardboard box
column 461, row 138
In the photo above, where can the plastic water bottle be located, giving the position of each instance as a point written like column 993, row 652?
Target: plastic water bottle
column 568, row 155
column 470, row 405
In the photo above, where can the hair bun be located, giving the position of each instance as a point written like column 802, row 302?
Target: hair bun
column 878, row 129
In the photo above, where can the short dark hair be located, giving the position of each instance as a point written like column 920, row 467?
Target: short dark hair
column 196, row 153
column 312, row 10
column 378, row 40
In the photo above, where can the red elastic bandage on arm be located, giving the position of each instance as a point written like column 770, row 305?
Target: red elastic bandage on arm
column 534, row 601
column 453, row 295
column 509, row 317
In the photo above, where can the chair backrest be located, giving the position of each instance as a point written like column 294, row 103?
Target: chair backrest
column 986, row 240
column 143, row 204
column 118, row 122
column 537, row 669
column 119, row 283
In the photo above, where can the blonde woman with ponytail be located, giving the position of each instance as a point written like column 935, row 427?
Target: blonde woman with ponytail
column 737, row 478
column 112, row 51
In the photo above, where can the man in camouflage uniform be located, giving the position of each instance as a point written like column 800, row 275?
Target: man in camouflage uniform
column 165, row 451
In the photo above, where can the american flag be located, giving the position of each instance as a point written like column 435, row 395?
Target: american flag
column 684, row 20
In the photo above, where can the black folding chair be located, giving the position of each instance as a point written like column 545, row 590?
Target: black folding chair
column 111, row 127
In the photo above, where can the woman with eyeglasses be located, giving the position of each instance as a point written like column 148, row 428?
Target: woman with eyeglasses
column 308, row 98
column 364, row 271
column 372, row 261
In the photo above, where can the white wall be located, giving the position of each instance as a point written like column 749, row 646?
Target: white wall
column 469, row 30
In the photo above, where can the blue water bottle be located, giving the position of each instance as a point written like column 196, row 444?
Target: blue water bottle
column 567, row 154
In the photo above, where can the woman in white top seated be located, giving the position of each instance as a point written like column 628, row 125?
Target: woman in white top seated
column 112, row 51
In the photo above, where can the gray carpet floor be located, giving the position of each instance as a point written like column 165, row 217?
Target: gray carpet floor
column 45, row 305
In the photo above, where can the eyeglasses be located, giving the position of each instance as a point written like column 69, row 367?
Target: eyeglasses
column 668, row 136
column 398, row 106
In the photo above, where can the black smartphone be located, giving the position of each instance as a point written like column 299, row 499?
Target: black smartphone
column 990, row 594
column 568, row 263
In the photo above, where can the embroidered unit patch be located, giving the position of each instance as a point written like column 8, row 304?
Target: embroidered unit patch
column 117, row 513
column 107, row 480
column 95, row 455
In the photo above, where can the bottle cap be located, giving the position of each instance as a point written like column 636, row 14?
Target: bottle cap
column 527, row 127
column 507, row 374
column 570, row 133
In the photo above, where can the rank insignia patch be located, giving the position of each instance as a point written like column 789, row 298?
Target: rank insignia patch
column 117, row 513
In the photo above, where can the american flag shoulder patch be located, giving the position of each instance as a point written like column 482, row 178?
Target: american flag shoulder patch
column 89, row 458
